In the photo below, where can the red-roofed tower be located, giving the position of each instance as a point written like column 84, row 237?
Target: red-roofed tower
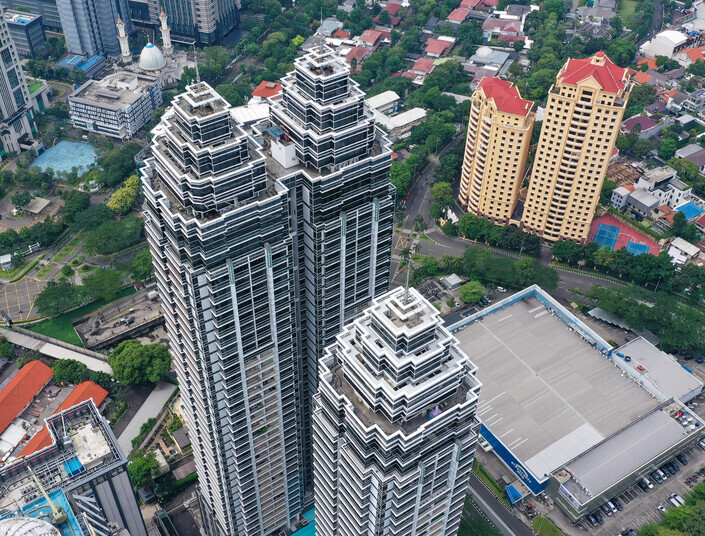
column 583, row 114
column 499, row 134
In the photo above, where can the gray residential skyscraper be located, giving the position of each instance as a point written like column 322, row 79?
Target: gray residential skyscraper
column 264, row 240
column 394, row 424
column 206, row 22
column 89, row 25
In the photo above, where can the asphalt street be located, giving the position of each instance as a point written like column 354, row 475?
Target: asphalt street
column 496, row 511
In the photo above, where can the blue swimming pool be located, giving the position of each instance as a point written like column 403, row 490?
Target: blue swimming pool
column 63, row 156
column 310, row 529
column 40, row 509
column 73, row 466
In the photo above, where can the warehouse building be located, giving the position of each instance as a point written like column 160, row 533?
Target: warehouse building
column 565, row 412
column 118, row 105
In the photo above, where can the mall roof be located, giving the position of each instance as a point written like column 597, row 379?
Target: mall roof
column 20, row 391
column 82, row 392
column 609, row 76
column 505, row 96
column 548, row 395
column 661, row 369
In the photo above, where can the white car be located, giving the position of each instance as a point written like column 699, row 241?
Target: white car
column 661, row 509
column 501, row 289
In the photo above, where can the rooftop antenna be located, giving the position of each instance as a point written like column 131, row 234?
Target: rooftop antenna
column 198, row 75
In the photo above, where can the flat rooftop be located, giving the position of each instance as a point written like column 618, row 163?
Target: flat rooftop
column 659, row 368
column 115, row 90
column 547, row 393
column 19, row 17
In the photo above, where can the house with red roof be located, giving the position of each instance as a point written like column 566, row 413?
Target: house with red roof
column 21, row 390
column 370, row 37
column 642, row 78
column 501, row 27
column 647, row 126
column 700, row 224
column 690, row 55
column 423, row 66
column 360, row 54
column 268, row 90
column 341, row 34
column 82, row 392
column 458, row 15
column 650, row 62
column 392, row 8
column 479, row 4
column 435, row 48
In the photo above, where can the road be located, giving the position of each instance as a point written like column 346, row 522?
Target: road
column 496, row 511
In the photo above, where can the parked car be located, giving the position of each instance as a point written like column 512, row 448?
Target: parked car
column 501, row 289
column 657, row 477
column 598, row 516
column 682, row 459
column 618, row 504
column 643, row 486
column 607, row 510
column 592, row 520
column 661, row 509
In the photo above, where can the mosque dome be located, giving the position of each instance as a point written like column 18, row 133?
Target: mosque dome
column 26, row 526
column 151, row 58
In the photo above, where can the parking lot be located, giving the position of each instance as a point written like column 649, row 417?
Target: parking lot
column 641, row 508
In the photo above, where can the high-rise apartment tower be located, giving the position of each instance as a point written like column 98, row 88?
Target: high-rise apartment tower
column 15, row 106
column 264, row 240
column 499, row 135
column 580, row 127
column 204, row 22
column 394, row 424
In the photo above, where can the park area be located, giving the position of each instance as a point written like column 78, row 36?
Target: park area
column 626, row 9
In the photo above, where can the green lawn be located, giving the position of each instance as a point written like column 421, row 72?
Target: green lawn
column 58, row 91
column 490, row 482
column 10, row 274
column 34, row 87
column 543, row 527
column 68, row 248
column 61, row 327
column 626, row 9
column 44, row 271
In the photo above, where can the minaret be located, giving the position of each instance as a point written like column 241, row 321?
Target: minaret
column 167, row 47
column 125, row 54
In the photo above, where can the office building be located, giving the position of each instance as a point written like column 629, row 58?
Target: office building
column 583, row 114
column 204, row 23
column 394, row 424
column 264, row 239
column 16, row 118
column 118, row 105
column 566, row 413
column 499, row 135
column 46, row 9
column 89, row 26
column 82, row 471
column 26, row 31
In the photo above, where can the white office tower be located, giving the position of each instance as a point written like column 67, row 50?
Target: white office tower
column 394, row 430
column 219, row 233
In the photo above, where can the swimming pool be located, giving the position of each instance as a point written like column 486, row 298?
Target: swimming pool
column 65, row 155
column 310, row 529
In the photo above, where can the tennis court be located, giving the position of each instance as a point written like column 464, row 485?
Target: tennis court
column 609, row 231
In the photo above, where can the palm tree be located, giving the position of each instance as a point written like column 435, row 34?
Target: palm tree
column 446, row 261
column 406, row 253
column 417, row 247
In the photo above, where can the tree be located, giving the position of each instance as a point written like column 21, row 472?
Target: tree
column 686, row 169
column 113, row 236
column 143, row 468
column 642, row 147
column 70, row 371
column 384, row 18
column 419, row 223
column 667, row 148
column 442, row 194
column 103, row 284
column 136, row 364
column 57, row 298
column 531, row 272
column 449, row 228
column 67, row 270
column 74, row 202
column 400, row 177
column 683, row 229
column 566, row 250
column 518, row 45
column 92, row 217
column 141, row 267
column 21, row 199
column 119, row 162
column 122, row 200
column 471, row 292
column 26, row 356
column 606, row 192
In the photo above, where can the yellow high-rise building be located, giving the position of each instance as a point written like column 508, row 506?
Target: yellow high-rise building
column 499, row 135
column 580, row 127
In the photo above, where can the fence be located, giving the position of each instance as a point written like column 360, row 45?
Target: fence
column 57, row 342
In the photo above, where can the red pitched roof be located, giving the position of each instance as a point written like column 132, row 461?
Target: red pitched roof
column 409, row 74
column 392, row 7
column 505, row 96
column 648, row 61
column 695, row 54
column 459, row 14
column 82, row 392
column 644, row 122
column 343, row 34
column 437, row 46
column 609, row 76
column 502, row 25
column 642, row 78
column 359, row 53
column 370, row 36
column 470, row 3
column 423, row 65
column 267, row 89
column 664, row 208
column 701, row 220
column 20, row 391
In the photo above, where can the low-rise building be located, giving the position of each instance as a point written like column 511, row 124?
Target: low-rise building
column 620, row 195
column 385, row 103
column 642, row 202
column 435, row 48
column 667, row 43
column 26, row 31
column 399, row 126
column 681, row 251
column 118, row 105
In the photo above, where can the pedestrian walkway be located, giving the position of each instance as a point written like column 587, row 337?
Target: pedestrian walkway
column 57, row 352
column 150, row 409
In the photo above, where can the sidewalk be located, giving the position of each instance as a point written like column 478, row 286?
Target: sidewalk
column 151, row 408
column 55, row 351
